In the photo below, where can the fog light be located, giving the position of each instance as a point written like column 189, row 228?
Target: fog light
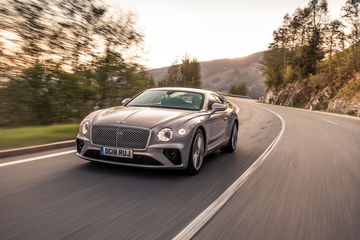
column 79, row 145
column 173, row 155
column 182, row 131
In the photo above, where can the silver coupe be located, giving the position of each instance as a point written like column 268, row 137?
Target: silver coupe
column 160, row 128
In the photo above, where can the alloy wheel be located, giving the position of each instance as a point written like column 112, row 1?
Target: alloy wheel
column 198, row 151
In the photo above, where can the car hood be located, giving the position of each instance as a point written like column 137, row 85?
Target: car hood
column 138, row 116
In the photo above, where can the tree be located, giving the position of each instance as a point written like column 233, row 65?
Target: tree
column 334, row 40
column 115, row 79
column 30, row 94
column 186, row 74
column 190, row 71
column 173, row 76
column 318, row 13
column 298, row 45
column 65, row 59
column 303, row 16
column 240, row 89
column 64, row 33
column 312, row 52
column 351, row 14
column 42, row 95
column 72, row 97
column 273, row 66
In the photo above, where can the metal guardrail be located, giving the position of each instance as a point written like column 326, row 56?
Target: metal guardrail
column 36, row 148
column 233, row 95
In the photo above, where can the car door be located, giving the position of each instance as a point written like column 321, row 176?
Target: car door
column 217, row 122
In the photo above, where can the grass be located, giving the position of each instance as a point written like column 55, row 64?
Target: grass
column 27, row 136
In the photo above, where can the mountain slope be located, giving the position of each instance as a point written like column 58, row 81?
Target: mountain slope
column 220, row 74
column 335, row 86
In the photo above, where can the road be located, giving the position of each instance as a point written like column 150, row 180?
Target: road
column 307, row 187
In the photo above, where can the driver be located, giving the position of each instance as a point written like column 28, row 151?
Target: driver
column 196, row 101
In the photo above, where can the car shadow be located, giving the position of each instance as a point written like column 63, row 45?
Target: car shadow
column 109, row 169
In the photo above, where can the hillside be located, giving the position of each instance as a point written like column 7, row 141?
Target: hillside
column 339, row 94
column 318, row 67
column 335, row 86
column 220, row 74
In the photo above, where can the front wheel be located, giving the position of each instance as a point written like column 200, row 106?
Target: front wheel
column 196, row 155
column 231, row 145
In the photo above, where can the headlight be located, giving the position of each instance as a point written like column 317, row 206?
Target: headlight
column 165, row 134
column 85, row 127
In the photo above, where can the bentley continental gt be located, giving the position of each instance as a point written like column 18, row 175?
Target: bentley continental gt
column 160, row 128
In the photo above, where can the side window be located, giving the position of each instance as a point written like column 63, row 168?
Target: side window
column 213, row 99
column 220, row 100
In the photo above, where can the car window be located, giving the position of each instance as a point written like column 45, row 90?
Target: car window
column 220, row 99
column 214, row 99
column 168, row 99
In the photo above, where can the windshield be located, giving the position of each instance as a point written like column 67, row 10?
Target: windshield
column 168, row 99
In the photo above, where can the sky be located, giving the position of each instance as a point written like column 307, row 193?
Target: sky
column 208, row 29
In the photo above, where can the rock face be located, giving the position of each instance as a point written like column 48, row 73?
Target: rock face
column 293, row 94
column 347, row 100
column 320, row 100
column 337, row 96
column 344, row 106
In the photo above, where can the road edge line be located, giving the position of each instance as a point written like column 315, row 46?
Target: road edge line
column 335, row 114
column 5, row 164
column 195, row 225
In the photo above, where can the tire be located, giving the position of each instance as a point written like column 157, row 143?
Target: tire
column 231, row 145
column 196, row 155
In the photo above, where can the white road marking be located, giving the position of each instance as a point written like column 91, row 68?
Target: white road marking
column 193, row 227
column 35, row 158
column 331, row 122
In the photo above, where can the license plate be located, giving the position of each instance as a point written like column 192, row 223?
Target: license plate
column 116, row 152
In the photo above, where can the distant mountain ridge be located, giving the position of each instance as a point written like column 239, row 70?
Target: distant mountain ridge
column 220, row 74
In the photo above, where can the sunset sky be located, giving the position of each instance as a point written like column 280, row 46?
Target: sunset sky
column 208, row 29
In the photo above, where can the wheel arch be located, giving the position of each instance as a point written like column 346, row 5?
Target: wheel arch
column 236, row 121
column 203, row 130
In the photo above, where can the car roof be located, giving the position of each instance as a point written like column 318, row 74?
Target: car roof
column 196, row 90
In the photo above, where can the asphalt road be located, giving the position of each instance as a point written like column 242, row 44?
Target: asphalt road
column 308, row 187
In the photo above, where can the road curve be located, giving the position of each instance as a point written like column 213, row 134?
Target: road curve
column 307, row 188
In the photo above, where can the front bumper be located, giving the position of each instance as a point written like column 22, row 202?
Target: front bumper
column 154, row 156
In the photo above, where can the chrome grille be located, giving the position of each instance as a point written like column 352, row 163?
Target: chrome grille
column 122, row 137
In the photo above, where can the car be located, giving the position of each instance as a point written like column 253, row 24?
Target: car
column 173, row 128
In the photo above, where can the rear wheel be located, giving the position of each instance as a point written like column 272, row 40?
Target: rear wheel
column 231, row 145
column 196, row 155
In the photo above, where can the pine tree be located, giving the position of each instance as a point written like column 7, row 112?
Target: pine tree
column 186, row 74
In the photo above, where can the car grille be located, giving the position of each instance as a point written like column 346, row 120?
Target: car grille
column 121, row 137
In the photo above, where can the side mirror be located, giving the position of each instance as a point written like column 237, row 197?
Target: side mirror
column 216, row 107
column 125, row 101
